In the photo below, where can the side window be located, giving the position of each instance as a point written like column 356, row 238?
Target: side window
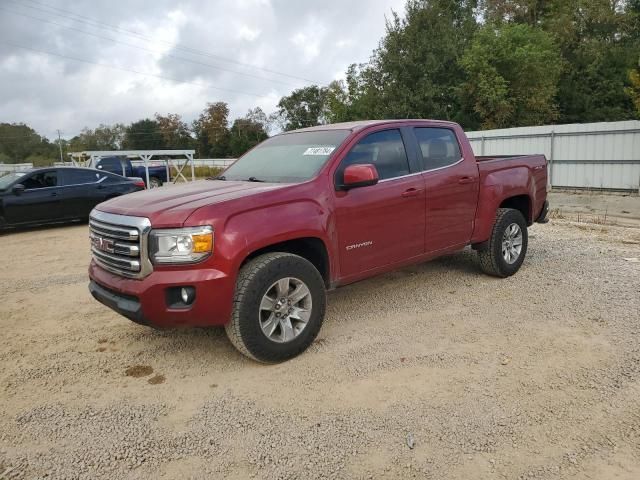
column 41, row 180
column 439, row 147
column 78, row 177
column 383, row 149
column 110, row 164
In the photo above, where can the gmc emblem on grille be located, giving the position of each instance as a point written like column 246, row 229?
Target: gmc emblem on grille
column 103, row 244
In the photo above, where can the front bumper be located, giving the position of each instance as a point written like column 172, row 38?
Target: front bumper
column 146, row 301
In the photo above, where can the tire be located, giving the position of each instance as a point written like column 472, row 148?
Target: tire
column 254, row 310
column 154, row 182
column 493, row 259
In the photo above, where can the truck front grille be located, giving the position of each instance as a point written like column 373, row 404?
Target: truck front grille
column 119, row 243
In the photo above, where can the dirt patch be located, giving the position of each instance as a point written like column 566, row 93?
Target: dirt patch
column 156, row 380
column 138, row 371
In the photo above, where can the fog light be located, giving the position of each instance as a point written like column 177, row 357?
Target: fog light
column 187, row 294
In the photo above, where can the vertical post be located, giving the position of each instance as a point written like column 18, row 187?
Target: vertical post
column 60, row 146
column 146, row 168
column 166, row 167
column 482, row 146
column 551, row 151
column 193, row 171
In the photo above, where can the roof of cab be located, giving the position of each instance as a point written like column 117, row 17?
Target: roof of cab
column 359, row 125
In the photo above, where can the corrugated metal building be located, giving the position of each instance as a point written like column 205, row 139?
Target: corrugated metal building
column 590, row 155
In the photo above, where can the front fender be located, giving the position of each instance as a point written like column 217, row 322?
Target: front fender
column 250, row 230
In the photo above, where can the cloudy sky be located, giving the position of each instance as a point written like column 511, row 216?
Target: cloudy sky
column 66, row 64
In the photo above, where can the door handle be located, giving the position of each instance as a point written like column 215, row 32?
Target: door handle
column 466, row 180
column 539, row 167
column 411, row 192
column 54, row 194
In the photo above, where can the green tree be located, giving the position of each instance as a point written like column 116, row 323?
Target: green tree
column 513, row 73
column 247, row 132
column 143, row 135
column 304, row 107
column 211, row 129
column 634, row 89
column 174, row 131
column 600, row 45
column 104, row 137
column 599, row 41
column 415, row 72
column 18, row 142
column 530, row 12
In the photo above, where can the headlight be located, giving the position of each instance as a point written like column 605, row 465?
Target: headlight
column 180, row 245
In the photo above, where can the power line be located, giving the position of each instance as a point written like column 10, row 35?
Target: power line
column 96, row 23
column 146, row 49
column 202, row 85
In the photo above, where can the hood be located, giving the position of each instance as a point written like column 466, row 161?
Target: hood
column 173, row 204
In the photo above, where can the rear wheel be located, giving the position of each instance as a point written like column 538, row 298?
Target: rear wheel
column 506, row 249
column 278, row 308
column 155, row 182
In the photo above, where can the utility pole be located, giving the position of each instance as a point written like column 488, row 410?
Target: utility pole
column 60, row 146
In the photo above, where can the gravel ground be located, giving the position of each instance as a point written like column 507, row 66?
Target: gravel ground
column 621, row 209
column 434, row 371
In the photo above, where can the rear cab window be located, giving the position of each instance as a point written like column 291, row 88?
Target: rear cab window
column 439, row 147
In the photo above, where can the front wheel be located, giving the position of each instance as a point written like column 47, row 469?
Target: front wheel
column 505, row 251
column 278, row 308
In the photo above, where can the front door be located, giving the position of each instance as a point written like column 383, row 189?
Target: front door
column 384, row 223
column 40, row 200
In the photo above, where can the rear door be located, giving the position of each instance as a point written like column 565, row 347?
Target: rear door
column 384, row 223
column 82, row 190
column 40, row 201
column 452, row 184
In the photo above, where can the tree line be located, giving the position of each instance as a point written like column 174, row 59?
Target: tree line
column 210, row 135
column 482, row 63
column 490, row 64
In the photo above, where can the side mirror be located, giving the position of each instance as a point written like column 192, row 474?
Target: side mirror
column 18, row 189
column 361, row 175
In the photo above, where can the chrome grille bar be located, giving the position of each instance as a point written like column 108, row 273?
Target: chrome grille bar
column 116, row 262
column 119, row 243
column 113, row 231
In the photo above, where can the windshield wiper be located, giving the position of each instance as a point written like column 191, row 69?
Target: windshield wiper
column 254, row 179
column 221, row 177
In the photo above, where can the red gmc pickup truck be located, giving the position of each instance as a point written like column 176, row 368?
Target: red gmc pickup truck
column 256, row 248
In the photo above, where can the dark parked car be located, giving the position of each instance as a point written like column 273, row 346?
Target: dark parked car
column 51, row 195
column 123, row 166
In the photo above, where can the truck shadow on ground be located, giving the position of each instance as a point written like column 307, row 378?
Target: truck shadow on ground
column 352, row 300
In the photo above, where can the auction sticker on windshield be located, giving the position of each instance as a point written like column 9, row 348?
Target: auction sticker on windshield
column 319, row 150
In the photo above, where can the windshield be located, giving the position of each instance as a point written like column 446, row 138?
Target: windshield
column 7, row 180
column 288, row 158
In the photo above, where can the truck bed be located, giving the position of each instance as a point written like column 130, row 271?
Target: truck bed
column 501, row 157
column 528, row 171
